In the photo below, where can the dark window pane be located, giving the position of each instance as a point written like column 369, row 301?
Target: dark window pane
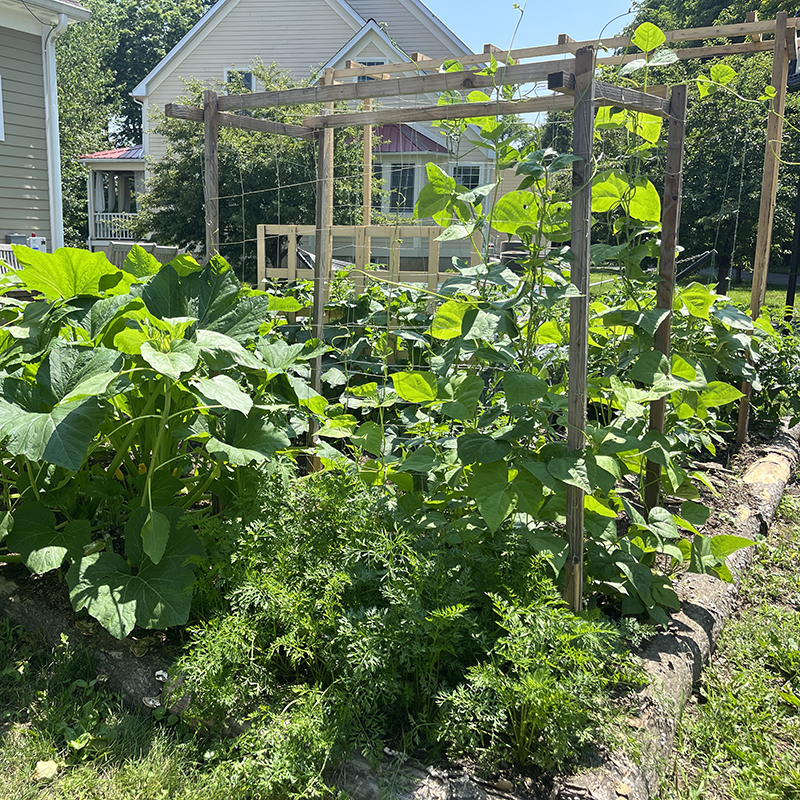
column 470, row 177
column 245, row 77
column 401, row 197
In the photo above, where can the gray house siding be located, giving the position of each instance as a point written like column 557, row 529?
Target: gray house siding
column 24, row 198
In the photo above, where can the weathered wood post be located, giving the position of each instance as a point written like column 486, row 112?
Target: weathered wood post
column 769, row 188
column 670, row 225
column 366, row 213
column 211, row 183
column 322, row 247
column 583, row 131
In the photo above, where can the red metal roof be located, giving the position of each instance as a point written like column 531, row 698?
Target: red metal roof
column 404, row 139
column 132, row 152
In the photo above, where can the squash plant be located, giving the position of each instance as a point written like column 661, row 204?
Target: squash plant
column 127, row 398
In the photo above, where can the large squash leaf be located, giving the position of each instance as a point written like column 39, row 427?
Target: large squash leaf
column 68, row 272
column 61, row 436
column 41, row 544
column 246, row 439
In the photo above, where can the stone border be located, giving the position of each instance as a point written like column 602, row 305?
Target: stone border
column 673, row 659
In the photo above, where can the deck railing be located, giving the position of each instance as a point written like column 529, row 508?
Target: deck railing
column 114, row 225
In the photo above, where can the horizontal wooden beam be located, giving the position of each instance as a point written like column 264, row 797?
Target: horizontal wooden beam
column 606, row 94
column 752, row 29
column 396, row 87
column 386, row 116
column 193, row 114
column 462, row 80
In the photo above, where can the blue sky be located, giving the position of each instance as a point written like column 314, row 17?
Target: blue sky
column 493, row 21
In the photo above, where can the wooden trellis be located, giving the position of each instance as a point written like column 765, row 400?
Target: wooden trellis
column 574, row 86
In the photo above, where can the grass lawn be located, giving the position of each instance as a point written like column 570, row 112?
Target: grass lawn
column 601, row 280
column 739, row 737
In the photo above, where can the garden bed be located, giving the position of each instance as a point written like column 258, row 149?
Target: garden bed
column 673, row 660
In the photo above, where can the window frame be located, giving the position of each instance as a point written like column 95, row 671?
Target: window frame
column 457, row 167
column 370, row 62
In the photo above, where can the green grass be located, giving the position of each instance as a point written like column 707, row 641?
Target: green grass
column 739, row 737
column 774, row 299
column 49, row 698
column 600, row 281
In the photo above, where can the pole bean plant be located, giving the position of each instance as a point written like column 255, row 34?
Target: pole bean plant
column 459, row 412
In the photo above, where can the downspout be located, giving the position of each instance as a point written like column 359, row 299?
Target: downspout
column 51, row 127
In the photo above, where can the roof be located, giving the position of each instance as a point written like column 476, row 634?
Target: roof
column 132, row 153
column 71, row 8
column 434, row 21
column 369, row 27
column 405, row 139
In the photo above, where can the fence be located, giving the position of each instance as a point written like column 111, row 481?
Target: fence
column 363, row 249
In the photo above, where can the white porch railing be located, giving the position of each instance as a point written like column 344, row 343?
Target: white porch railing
column 113, row 225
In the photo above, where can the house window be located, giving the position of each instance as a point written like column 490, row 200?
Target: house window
column 470, row 177
column 2, row 126
column 365, row 78
column 236, row 75
column 401, row 195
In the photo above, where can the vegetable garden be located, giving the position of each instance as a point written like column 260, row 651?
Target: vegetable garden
column 369, row 518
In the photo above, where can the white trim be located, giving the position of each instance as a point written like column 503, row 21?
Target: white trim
column 203, row 26
column 49, row 36
column 2, row 126
column 367, row 28
column 56, row 8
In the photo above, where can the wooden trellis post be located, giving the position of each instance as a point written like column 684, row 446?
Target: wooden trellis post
column 670, row 224
column 211, row 182
column 322, row 238
column 366, row 214
column 582, row 137
column 769, row 189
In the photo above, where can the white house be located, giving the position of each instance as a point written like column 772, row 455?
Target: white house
column 303, row 37
column 30, row 161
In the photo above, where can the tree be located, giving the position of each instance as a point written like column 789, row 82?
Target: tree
column 148, row 30
column 263, row 178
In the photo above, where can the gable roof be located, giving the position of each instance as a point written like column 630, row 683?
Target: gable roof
column 206, row 23
column 422, row 12
column 361, row 27
column 369, row 27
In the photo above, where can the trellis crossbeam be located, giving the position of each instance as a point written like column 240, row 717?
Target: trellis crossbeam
column 752, row 29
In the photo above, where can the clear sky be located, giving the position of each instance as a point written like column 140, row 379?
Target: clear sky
column 479, row 22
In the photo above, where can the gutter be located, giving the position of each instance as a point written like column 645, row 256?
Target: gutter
column 51, row 126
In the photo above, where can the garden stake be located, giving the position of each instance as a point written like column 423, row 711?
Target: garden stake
column 582, row 136
column 670, row 224
column 211, row 183
column 769, row 189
